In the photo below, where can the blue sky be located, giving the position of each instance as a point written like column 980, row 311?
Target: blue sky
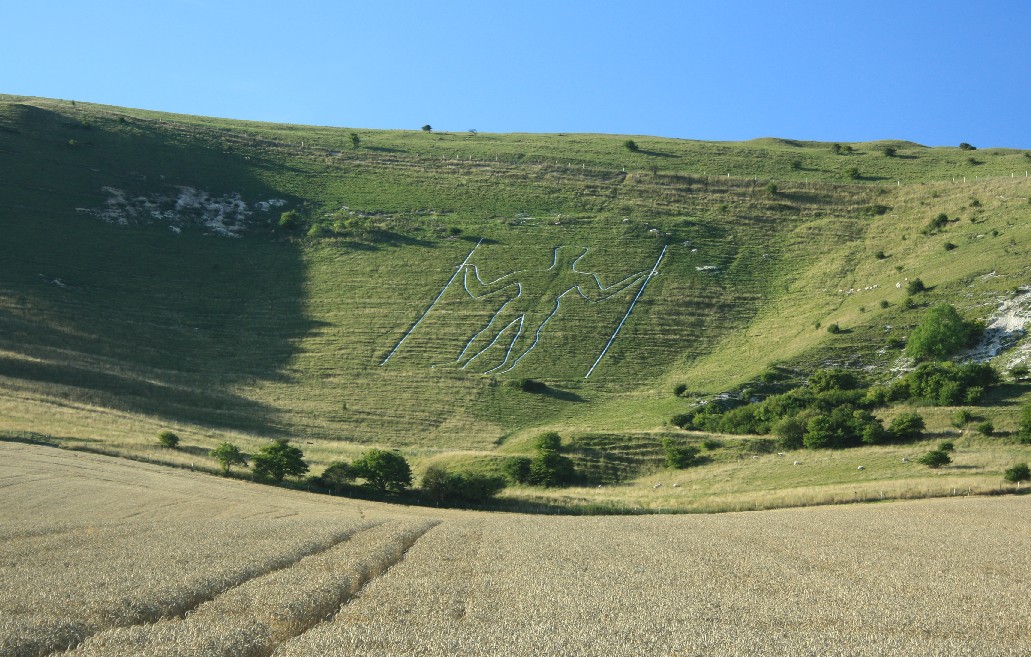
column 933, row 72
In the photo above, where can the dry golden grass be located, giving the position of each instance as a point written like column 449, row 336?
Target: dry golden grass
column 123, row 558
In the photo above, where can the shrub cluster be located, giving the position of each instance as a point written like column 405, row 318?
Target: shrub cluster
column 939, row 384
column 442, row 485
column 679, row 455
column 548, row 467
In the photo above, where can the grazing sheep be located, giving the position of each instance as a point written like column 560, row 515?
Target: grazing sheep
column 798, row 463
column 862, row 467
column 676, row 485
column 754, row 458
column 657, row 486
column 905, row 459
column 780, row 453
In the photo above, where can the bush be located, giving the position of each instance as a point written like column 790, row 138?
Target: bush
column 946, row 383
column 548, row 441
column 279, row 460
column 1019, row 372
column 890, row 151
column 948, row 246
column 680, row 389
column 837, row 379
column 834, row 328
column 915, row 286
column 337, row 477
column 967, row 147
column 852, row 173
column 961, row 418
column 941, row 333
column 168, row 439
column 356, row 141
column 517, row 469
column 907, row 426
column 771, row 188
column 631, row 145
column 443, row 486
column 1018, row 473
column 935, row 459
column 678, row 455
column 228, row 455
column 884, row 303
column 880, row 255
column 941, row 220
column 383, row 470
column 550, row 469
column 986, row 428
column 946, row 446
column 791, row 431
column 290, row 220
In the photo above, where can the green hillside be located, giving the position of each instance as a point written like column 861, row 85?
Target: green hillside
column 146, row 280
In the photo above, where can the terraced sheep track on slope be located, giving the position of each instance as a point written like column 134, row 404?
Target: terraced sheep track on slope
column 110, row 557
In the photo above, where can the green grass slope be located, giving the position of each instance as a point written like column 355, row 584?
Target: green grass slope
column 145, row 281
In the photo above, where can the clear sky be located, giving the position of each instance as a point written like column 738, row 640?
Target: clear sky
column 937, row 73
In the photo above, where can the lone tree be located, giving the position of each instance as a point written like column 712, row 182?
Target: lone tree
column 168, row 439
column 427, row 128
column 356, row 141
column 941, row 333
column 228, row 455
column 935, row 459
column 1018, row 473
column 678, row 455
column 383, row 470
column 631, row 145
column 549, row 467
column 279, row 460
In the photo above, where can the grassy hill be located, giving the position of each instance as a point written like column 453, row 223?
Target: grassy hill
column 146, row 282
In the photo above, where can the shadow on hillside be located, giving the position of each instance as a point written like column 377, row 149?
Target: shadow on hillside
column 658, row 154
column 144, row 320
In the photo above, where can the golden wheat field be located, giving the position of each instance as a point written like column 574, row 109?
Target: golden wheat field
column 101, row 556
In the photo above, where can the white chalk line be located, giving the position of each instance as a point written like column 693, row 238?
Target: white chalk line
column 655, row 270
column 458, row 269
column 537, row 335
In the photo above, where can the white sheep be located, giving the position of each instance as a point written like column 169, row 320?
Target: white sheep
column 798, row 463
column 862, row 467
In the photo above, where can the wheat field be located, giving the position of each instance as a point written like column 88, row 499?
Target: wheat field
column 101, row 556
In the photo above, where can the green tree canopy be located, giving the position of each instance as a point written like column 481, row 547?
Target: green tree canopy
column 228, row 455
column 935, row 459
column 383, row 470
column 279, row 460
column 941, row 333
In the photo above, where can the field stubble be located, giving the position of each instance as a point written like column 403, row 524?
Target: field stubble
column 130, row 559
